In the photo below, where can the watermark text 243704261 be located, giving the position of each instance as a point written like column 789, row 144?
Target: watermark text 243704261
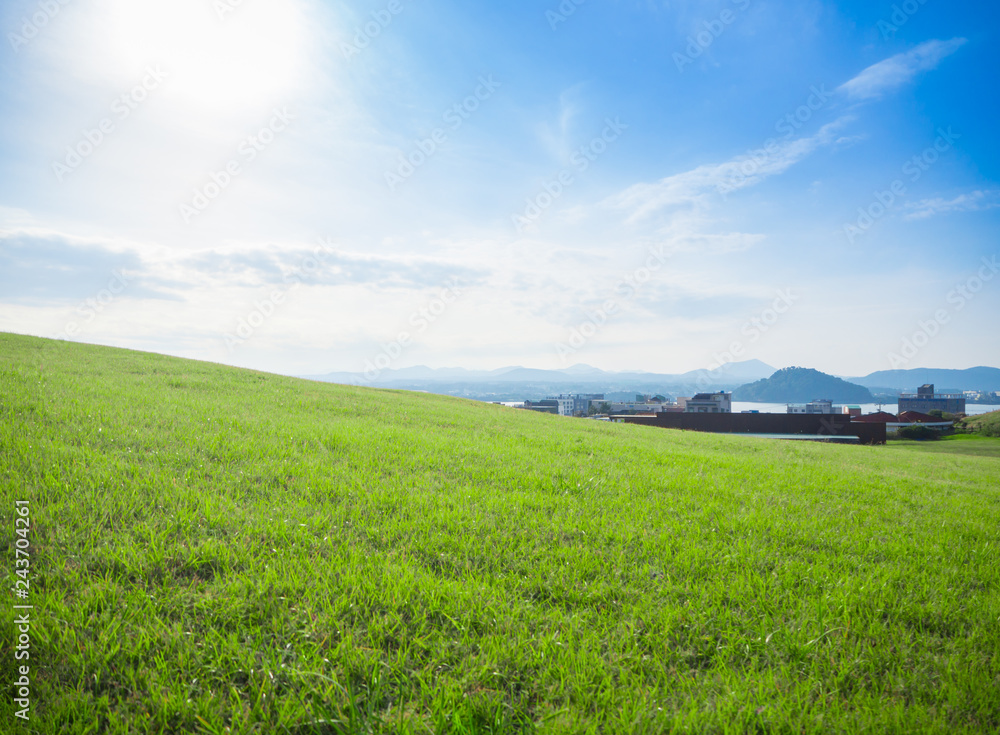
column 22, row 610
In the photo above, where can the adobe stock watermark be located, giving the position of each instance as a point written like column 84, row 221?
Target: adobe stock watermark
column 123, row 106
column 264, row 309
column 562, row 13
column 89, row 309
column 420, row 320
column 913, row 169
column 901, row 14
column 454, row 117
column 248, row 149
column 698, row 43
column 372, row 29
column 754, row 160
column 753, row 329
column 31, row 26
column 22, row 620
column 626, row 289
column 957, row 299
column 581, row 160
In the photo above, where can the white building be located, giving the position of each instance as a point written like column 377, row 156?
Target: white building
column 565, row 405
column 708, row 403
column 571, row 405
column 814, row 407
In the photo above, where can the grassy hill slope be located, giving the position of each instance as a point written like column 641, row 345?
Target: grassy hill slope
column 986, row 424
column 215, row 548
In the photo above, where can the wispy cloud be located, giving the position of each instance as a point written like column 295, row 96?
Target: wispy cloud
column 39, row 267
column 556, row 133
column 41, row 264
column 696, row 185
column 900, row 69
column 254, row 266
column 972, row 202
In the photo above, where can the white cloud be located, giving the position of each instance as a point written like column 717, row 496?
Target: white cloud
column 555, row 135
column 972, row 202
column 900, row 69
column 695, row 186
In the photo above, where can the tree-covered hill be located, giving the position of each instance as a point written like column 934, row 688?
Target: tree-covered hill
column 800, row 385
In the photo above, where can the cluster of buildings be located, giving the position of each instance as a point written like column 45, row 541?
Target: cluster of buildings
column 713, row 412
column 919, row 408
column 982, row 396
column 922, row 402
column 595, row 405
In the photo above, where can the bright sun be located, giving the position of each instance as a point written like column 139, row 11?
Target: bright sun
column 221, row 61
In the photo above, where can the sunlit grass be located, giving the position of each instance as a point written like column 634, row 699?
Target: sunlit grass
column 217, row 548
column 969, row 444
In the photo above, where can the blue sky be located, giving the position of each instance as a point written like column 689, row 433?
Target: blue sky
column 304, row 186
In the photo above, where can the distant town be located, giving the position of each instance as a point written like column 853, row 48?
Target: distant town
column 794, row 402
column 750, row 381
column 926, row 408
column 595, row 406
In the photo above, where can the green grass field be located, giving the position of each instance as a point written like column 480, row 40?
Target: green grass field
column 974, row 445
column 223, row 551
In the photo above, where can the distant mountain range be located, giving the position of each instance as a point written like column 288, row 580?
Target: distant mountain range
column 733, row 372
column 977, row 378
column 517, row 383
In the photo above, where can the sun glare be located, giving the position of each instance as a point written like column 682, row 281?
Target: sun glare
column 223, row 56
